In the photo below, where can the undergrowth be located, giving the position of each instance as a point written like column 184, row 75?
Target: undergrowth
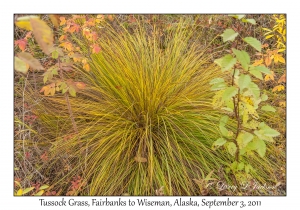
column 144, row 122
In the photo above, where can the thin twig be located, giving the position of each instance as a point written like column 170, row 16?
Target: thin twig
column 68, row 100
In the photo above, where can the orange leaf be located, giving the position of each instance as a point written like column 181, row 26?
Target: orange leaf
column 91, row 22
column 52, row 91
column 62, row 21
column 110, row 17
column 21, row 44
column 278, row 88
column 47, row 91
column 67, row 45
column 62, row 37
column 268, row 61
column 94, row 36
column 86, row 67
column 74, row 28
column 282, row 79
column 96, row 48
column 43, row 89
column 80, row 85
column 132, row 19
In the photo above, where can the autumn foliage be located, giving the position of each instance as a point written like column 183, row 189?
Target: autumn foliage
column 139, row 105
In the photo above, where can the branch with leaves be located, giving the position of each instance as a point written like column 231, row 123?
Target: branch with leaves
column 240, row 98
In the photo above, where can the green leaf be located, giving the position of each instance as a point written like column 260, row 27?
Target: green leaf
column 256, row 73
column 253, row 90
column 261, row 147
column 219, row 86
column 216, row 81
column 253, row 42
column 252, row 124
column 21, row 66
column 237, row 16
column 244, row 81
column 252, row 21
column 226, row 62
column 231, row 147
column 264, row 97
column 54, row 70
column 64, row 90
column 229, row 35
column 54, row 54
column 27, row 190
column 224, row 120
column 45, row 78
column 234, row 165
column 44, row 187
column 223, row 130
column 229, row 93
column 240, row 166
column 248, row 167
column 267, row 131
column 220, row 142
column 39, row 193
column 72, row 91
column 260, row 135
column 268, row 108
column 262, row 69
column 243, row 139
column 243, row 57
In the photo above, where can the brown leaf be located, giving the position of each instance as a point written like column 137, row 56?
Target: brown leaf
column 140, row 159
column 43, row 34
column 282, row 79
column 55, row 20
column 268, row 61
column 30, row 60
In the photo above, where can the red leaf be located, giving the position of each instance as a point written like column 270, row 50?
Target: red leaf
column 44, row 156
column 21, row 44
column 75, row 27
column 96, row 48
column 27, row 155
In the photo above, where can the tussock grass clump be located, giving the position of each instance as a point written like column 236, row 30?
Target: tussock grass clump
column 145, row 119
